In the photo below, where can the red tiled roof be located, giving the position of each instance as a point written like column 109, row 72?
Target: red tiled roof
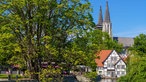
column 103, row 54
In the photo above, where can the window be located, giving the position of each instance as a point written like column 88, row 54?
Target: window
column 115, row 58
column 108, row 65
column 112, row 58
column 123, row 66
column 123, row 72
column 111, row 65
column 118, row 72
column 100, row 72
column 99, row 68
column 118, row 66
column 108, row 72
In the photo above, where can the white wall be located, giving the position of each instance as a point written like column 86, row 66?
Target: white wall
column 109, row 64
column 120, row 68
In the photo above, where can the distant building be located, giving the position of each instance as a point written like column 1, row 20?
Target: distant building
column 106, row 26
column 110, row 64
column 126, row 42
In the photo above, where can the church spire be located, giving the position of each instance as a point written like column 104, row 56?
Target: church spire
column 107, row 14
column 107, row 25
column 100, row 18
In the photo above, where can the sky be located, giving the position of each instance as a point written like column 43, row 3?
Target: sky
column 128, row 17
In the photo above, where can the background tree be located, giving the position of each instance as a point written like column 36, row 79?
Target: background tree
column 136, row 66
column 86, row 45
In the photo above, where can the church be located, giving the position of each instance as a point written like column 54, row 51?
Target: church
column 105, row 25
column 111, row 64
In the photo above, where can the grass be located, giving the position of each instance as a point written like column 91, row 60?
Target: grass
column 13, row 76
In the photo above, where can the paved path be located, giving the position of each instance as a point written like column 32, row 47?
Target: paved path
column 81, row 78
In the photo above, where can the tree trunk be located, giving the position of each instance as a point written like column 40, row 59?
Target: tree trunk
column 35, row 76
column 34, row 70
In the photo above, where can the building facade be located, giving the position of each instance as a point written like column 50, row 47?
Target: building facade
column 110, row 64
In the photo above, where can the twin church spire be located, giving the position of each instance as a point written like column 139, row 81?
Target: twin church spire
column 100, row 19
column 107, row 14
column 105, row 25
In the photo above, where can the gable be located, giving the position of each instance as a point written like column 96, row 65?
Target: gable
column 112, row 58
column 103, row 55
column 112, row 54
column 121, row 62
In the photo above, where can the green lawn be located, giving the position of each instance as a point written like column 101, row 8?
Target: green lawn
column 13, row 76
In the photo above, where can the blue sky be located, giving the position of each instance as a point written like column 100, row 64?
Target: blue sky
column 128, row 16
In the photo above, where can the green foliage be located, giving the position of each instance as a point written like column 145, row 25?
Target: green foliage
column 139, row 45
column 136, row 68
column 50, row 73
column 7, row 44
column 91, row 75
column 33, row 31
column 13, row 76
column 87, row 44
column 61, row 31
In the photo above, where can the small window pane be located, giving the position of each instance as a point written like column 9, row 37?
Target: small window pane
column 118, row 66
column 118, row 72
column 123, row 72
column 123, row 66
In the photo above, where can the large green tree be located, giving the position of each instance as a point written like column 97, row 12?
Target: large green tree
column 37, row 30
column 60, row 31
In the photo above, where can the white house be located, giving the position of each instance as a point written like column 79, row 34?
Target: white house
column 110, row 64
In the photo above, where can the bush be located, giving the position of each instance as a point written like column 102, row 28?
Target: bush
column 91, row 75
column 50, row 73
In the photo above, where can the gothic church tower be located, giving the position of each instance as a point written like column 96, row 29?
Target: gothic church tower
column 105, row 25
column 100, row 20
